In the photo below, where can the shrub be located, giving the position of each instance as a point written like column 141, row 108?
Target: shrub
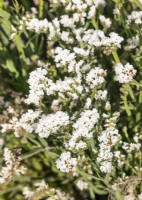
column 71, row 99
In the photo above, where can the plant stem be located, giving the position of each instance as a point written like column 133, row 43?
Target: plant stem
column 95, row 24
column 116, row 57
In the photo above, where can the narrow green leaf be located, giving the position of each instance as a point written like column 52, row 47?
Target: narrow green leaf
column 6, row 25
column 116, row 57
column 140, row 97
column 31, row 153
column 41, row 4
column 92, row 193
column 136, row 83
column 3, row 13
column 127, row 106
column 43, row 142
column 130, row 92
column 11, row 67
column 20, row 46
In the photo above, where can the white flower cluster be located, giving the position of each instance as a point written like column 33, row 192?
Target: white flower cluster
column 61, row 195
column 133, row 146
column 93, row 37
column 82, row 129
column 37, row 83
column 101, row 95
column 42, row 124
column 13, row 123
column 63, row 57
column 87, row 8
column 42, row 188
column 28, row 120
column 37, row 25
column 95, row 77
column 107, row 139
column 12, row 160
column 132, row 43
column 82, row 185
column 45, row 26
column 27, row 193
column 97, row 39
column 41, row 85
column 66, row 60
column 136, row 17
column 79, row 78
column 106, row 22
column 51, row 123
column 66, row 163
column 124, row 73
column 23, row 21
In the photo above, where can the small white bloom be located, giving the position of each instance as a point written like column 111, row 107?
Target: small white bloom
column 124, row 73
column 66, row 163
column 82, row 185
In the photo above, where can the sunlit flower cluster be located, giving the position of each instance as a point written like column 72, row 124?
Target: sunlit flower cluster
column 78, row 116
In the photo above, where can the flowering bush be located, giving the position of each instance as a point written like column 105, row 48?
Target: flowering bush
column 71, row 99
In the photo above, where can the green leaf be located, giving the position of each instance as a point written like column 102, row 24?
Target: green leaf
column 33, row 140
column 11, row 67
column 126, row 106
column 1, row 3
column 140, row 97
column 20, row 46
column 92, row 193
column 31, row 153
column 6, row 25
column 136, row 83
column 43, row 142
column 3, row 13
column 129, row 89
column 16, row 6
column 41, row 4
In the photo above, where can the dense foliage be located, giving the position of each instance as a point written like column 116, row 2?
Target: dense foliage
column 71, row 99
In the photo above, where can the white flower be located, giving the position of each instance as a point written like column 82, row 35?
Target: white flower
column 27, row 193
column 37, row 83
column 124, row 73
column 101, row 95
column 81, row 51
column 37, row 25
column 66, row 163
column 136, row 17
column 106, row 22
column 82, row 185
column 27, row 120
column 63, row 56
column 12, row 161
column 83, row 127
column 106, row 167
column 51, row 123
column 107, row 139
column 132, row 43
column 87, row 120
column 96, row 77
column 116, row 11
column 99, row 3
column 92, row 12
column 97, row 39
column 88, row 103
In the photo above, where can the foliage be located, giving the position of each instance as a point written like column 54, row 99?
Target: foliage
column 71, row 99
